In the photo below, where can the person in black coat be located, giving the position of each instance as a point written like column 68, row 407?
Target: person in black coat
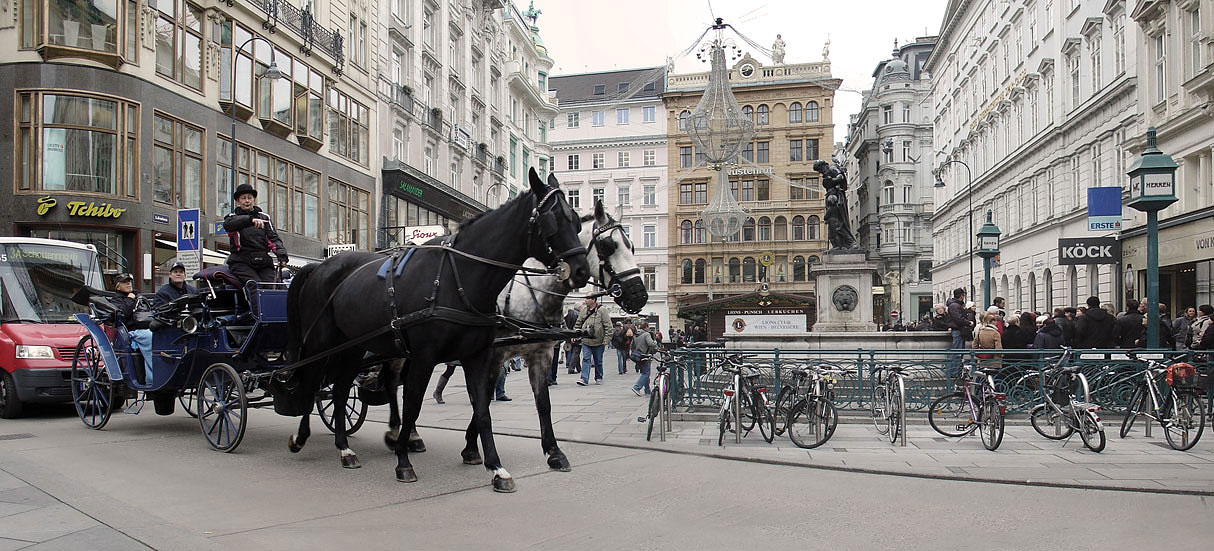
column 1129, row 326
column 1096, row 328
column 176, row 287
column 1049, row 337
column 253, row 239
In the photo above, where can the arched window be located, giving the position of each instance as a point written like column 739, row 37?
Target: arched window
column 794, row 112
column 683, row 120
column 748, row 229
column 798, row 268
column 1005, row 291
column 781, row 228
column 685, row 232
column 686, row 271
column 1072, row 285
column 1018, row 297
column 748, row 269
column 699, row 270
column 811, row 111
column 1032, row 291
column 748, row 112
column 764, row 229
column 735, row 270
column 811, row 228
column 699, row 231
column 1093, row 281
column 798, row 228
column 761, row 115
column 1048, row 280
column 887, row 193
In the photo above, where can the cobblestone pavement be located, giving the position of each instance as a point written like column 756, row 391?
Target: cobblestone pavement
column 609, row 413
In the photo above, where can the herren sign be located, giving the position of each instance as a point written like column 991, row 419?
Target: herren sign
column 1097, row 250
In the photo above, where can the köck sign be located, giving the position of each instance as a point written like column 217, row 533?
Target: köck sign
column 1091, row 250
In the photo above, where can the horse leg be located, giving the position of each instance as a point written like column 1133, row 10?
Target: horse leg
column 393, row 432
column 296, row 441
column 341, row 396
column 538, row 369
column 415, row 381
column 471, row 454
column 479, row 383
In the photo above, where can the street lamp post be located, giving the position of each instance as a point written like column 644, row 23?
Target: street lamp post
column 1152, row 189
column 988, row 248
column 969, row 193
column 272, row 72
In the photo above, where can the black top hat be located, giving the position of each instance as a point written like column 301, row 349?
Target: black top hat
column 243, row 189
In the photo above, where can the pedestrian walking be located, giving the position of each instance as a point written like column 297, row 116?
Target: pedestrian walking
column 593, row 321
column 644, row 345
column 573, row 348
column 442, row 381
column 621, row 341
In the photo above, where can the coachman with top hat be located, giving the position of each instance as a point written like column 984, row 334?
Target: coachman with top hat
column 255, row 243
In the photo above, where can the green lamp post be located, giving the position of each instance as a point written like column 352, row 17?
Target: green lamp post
column 988, row 248
column 1152, row 189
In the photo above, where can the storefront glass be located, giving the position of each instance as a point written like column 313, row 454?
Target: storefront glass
column 84, row 143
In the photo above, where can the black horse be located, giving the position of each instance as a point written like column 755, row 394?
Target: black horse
column 433, row 304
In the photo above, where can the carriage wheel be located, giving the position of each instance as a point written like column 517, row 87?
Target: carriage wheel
column 356, row 409
column 222, row 407
column 92, row 389
column 188, row 398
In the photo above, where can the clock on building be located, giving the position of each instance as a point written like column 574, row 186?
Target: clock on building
column 747, row 70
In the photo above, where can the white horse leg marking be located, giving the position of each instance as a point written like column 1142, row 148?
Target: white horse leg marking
column 502, row 473
column 347, row 452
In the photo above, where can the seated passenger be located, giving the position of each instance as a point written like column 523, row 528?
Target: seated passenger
column 176, row 287
column 253, row 239
column 141, row 339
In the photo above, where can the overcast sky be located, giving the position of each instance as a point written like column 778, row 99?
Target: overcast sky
column 587, row 36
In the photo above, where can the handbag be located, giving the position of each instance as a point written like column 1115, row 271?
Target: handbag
column 636, row 356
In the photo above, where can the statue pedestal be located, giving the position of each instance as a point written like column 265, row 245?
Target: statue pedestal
column 845, row 292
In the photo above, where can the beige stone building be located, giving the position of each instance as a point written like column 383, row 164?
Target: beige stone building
column 773, row 180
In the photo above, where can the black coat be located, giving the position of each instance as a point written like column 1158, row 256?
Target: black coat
column 1049, row 337
column 1129, row 330
column 1067, row 326
column 1014, row 338
column 1096, row 328
column 168, row 292
column 250, row 244
column 956, row 317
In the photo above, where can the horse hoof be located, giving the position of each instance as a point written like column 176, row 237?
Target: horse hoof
column 417, row 446
column 472, row 458
column 503, row 485
column 350, row 462
column 291, row 445
column 406, row 475
column 558, row 462
column 390, row 440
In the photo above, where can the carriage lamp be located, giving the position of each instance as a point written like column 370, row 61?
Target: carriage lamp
column 35, row 352
column 988, row 248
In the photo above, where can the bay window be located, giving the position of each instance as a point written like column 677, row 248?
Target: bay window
column 76, row 142
column 177, row 162
column 102, row 30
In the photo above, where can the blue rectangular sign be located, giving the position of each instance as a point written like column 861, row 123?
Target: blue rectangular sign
column 189, row 240
column 160, row 218
column 219, row 228
column 1104, row 208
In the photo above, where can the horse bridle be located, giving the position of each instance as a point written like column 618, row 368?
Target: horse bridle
column 605, row 247
column 544, row 224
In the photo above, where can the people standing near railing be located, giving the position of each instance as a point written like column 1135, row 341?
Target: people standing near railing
column 988, row 338
column 644, row 345
column 1129, row 326
column 1014, row 338
column 960, row 329
column 1049, row 336
column 1096, row 328
column 1201, row 337
column 1165, row 330
column 1181, row 327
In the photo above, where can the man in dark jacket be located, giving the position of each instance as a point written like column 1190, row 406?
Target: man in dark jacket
column 1096, row 328
column 1129, row 326
column 176, row 287
column 1064, row 323
column 575, row 345
column 1049, row 337
column 253, row 239
column 958, row 322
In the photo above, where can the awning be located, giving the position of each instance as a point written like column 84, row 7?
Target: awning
column 208, row 256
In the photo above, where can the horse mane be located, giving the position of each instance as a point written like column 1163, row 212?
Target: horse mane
column 470, row 221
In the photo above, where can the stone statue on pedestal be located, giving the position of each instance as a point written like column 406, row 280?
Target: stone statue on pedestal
column 834, row 181
column 777, row 51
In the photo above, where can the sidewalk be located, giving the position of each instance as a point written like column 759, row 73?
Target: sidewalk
column 608, row 414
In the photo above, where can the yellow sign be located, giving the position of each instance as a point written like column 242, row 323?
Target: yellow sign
column 92, row 209
column 45, row 204
column 766, row 258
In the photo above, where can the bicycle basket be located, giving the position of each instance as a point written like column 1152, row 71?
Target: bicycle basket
column 1182, row 375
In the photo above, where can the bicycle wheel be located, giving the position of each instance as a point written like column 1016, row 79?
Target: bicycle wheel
column 1184, row 420
column 784, row 405
column 1091, row 431
column 655, row 411
column 896, row 407
column 747, row 410
column 991, row 424
column 812, row 422
column 1049, row 423
column 950, row 415
column 723, row 420
column 767, row 424
column 1135, row 407
column 879, row 408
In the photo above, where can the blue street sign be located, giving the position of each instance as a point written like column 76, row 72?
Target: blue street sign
column 189, row 240
column 160, row 218
column 219, row 228
column 1104, row 208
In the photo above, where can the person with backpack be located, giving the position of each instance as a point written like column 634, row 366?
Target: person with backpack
column 621, row 341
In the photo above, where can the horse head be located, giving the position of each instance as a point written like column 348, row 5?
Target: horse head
column 554, row 233
column 614, row 262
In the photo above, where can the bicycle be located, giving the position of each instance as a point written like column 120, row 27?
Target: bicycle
column 1181, row 412
column 813, row 419
column 752, row 407
column 977, row 407
column 888, row 405
column 789, row 394
column 659, row 396
column 1060, row 411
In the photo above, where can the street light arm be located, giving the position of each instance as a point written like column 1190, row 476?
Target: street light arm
column 232, row 92
column 969, row 193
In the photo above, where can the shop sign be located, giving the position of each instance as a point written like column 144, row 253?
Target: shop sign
column 766, row 321
column 1092, row 250
column 160, row 218
column 84, row 209
column 410, row 189
column 750, row 171
column 45, row 204
column 421, row 234
column 1104, row 209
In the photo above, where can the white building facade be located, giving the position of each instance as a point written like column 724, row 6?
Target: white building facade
column 609, row 142
column 890, row 197
column 1038, row 99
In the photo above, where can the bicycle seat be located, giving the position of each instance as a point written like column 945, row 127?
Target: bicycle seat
column 752, row 375
column 988, row 370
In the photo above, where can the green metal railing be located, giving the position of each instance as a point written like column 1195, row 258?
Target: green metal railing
column 1111, row 374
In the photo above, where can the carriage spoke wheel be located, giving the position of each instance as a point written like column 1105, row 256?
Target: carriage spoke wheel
column 188, row 398
column 92, row 389
column 356, row 409
column 222, row 407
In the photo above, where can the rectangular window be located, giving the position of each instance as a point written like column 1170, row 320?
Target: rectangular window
column 621, row 116
column 794, row 150
column 650, row 275
column 600, row 89
column 622, row 159
column 685, row 156
column 1195, row 65
column 1159, row 51
column 796, row 188
column 624, row 195
column 701, row 193
column 1119, row 44
column 1094, row 62
column 650, row 235
column 289, row 193
column 598, row 118
column 349, row 127
column 575, row 162
column 748, row 152
column 906, row 108
column 574, row 198
column 596, row 161
column 649, row 114
column 685, row 194
column 77, row 143
column 1072, row 63
column 572, row 120
column 651, row 195
column 177, row 162
column 906, row 151
column 762, row 190
column 599, row 194
column 349, row 215
column 651, row 157
column 178, row 39
column 748, row 191
column 811, row 150
column 887, row 114
column 428, row 28
column 762, row 156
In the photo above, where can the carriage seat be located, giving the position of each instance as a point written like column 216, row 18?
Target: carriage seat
column 230, row 298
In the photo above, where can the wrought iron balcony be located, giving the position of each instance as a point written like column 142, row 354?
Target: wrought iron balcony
column 281, row 12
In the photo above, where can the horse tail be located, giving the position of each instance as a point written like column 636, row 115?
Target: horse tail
column 295, row 324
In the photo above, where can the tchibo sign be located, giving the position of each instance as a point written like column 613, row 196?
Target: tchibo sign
column 1092, row 250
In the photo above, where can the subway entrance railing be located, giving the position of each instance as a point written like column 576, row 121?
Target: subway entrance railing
column 1112, row 374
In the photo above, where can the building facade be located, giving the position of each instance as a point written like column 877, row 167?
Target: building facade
column 122, row 119
column 463, row 93
column 774, row 182
column 1176, row 85
column 1034, row 103
column 609, row 141
column 890, row 195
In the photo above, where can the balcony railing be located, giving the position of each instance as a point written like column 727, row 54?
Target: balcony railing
column 280, row 12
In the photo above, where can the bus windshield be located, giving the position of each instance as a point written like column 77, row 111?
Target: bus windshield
column 38, row 279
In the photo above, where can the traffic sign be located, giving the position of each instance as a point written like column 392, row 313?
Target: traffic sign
column 189, row 241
